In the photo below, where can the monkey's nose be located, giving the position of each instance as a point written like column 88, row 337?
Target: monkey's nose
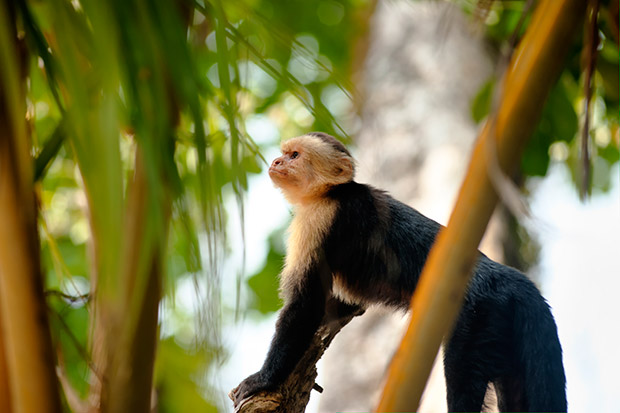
column 276, row 162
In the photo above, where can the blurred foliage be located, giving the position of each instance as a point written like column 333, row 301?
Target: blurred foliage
column 310, row 48
column 557, row 136
column 104, row 78
column 175, row 371
column 69, row 324
column 263, row 284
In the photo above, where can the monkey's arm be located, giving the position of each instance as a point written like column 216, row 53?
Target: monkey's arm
column 298, row 322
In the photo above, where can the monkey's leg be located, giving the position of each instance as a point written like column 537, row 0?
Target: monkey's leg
column 510, row 394
column 470, row 361
column 465, row 387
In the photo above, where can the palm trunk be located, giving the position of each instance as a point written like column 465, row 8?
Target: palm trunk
column 131, row 373
column 29, row 373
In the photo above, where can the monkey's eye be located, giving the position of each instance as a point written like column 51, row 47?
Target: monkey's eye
column 294, row 155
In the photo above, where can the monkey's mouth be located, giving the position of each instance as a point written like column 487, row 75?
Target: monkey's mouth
column 274, row 172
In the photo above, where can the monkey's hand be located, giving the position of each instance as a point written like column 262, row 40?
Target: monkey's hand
column 251, row 385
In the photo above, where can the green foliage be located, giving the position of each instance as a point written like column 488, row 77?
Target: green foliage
column 175, row 369
column 481, row 104
column 297, row 50
column 558, row 134
column 70, row 326
column 503, row 20
column 264, row 284
column 181, row 82
column 558, row 123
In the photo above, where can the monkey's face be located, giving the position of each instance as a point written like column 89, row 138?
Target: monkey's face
column 308, row 167
column 290, row 173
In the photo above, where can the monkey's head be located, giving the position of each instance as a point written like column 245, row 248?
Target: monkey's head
column 310, row 165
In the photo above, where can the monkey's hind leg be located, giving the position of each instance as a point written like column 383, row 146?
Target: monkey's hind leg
column 465, row 391
column 466, row 372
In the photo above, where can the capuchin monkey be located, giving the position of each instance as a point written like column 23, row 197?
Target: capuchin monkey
column 357, row 246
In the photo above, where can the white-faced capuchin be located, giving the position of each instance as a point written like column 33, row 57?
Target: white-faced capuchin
column 356, row 244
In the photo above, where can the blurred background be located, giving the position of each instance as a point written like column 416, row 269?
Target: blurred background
column 150, row 127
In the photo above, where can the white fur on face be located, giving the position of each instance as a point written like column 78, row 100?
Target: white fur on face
column 318, row 167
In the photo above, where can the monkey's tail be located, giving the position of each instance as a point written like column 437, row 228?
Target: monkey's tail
column 541, row 356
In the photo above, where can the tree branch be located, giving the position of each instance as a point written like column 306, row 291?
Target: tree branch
column 293, row 395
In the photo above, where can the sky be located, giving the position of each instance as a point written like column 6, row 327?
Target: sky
column 580, row 277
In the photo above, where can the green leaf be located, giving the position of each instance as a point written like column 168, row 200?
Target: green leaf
column 481, row 103
column 610, row 153
column 49, row 152
column 559, row 111
column 265, row 284
column 177, row 370
column 535, row 160
column 558, row 123
column 251, row 164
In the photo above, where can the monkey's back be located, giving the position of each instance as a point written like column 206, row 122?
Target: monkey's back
column 377, row 245
column 376, row 249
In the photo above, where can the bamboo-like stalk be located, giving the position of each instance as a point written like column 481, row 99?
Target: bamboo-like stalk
column 5, row 389
column 25, row 329
column 27, row 346
column 439, row 295
column 147, row 219
column 129, row 387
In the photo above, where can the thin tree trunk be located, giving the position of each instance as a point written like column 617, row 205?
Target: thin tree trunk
column 26, row 340
column 128, row 327
column 132, row 365
column 5, row 390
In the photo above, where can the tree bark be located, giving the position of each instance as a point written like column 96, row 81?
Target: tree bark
column 130, row 386
column 26, row 341
column 293, row 395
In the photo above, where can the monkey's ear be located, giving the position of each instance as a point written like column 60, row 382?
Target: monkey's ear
column 346, row 168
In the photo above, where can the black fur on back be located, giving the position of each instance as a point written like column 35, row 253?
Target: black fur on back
column 505, row 332
column 377, row 244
